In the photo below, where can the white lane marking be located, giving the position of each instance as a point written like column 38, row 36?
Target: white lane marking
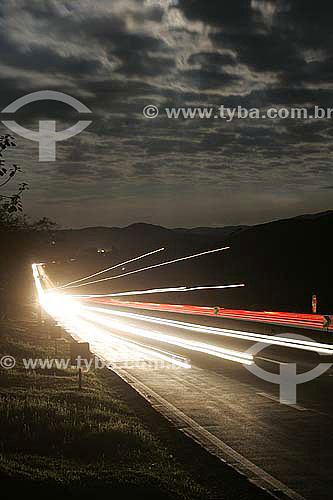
column 210, row 442
column 277, row 400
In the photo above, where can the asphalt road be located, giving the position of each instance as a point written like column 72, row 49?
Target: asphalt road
column 286, row 448
column 291, row 442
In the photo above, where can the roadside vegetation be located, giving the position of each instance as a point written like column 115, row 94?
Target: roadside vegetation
column 21, row 239
column 56, row 439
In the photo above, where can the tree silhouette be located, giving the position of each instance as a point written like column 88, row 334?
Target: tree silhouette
column 10, row 203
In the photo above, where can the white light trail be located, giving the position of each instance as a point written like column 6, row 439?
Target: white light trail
column 58, row 304
column 153, row 267
column 38, row 285
column 153, row 351
column 102, row 341
column 54, row 302
column 113, row 267
column 155, row 290
column 265, row 339
column 192, row 345
column 66, row 310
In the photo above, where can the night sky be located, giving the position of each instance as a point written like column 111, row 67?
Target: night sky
column 118, row 56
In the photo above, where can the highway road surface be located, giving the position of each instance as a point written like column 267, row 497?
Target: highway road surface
column 196, row 371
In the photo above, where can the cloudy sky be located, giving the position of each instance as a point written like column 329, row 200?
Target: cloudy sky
column 118, row 56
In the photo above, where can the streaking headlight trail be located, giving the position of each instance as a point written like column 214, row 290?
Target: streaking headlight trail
column 59, row 305
column 157, row 290
column 67, row 312
column 173, row 261
column 265, row 339
column 192, row 345
column 111, row 268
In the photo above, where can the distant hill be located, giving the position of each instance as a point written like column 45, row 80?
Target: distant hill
column 212, row 231
column 100, row 236
column 282, row 262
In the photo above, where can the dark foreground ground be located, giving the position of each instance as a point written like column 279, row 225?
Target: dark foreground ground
column 103, row 440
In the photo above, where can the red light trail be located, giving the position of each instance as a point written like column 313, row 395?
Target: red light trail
column 299, row 320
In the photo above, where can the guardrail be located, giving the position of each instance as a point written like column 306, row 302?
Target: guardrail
column 298, row 320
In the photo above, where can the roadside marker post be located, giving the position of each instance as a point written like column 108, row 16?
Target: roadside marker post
column 80, row 379
column 79, row 351
column 327, row 321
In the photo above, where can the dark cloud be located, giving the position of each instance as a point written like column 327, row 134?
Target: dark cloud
column 262, row 51
column 119, row 56
column 231, row 14
column 136, row 64
column 272, row 35
column 212, row 60
column 205, row 80
column 45, row 59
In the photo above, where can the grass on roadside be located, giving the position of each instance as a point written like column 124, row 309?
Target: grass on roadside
column 55, row 439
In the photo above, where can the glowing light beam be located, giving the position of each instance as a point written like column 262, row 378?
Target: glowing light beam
column 254, row 337
column 156, row 290
column 153, row 267
column 63, row 308
column 113, row 267
column 192, row 345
